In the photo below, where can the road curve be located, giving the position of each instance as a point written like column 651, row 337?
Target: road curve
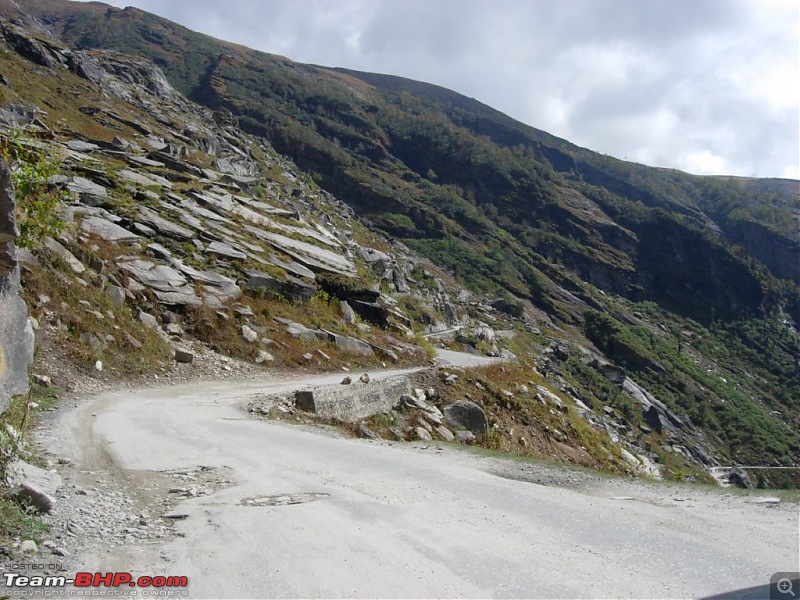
column 405, row 521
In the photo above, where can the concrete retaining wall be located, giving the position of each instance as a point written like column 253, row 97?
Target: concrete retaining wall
column 353, row 402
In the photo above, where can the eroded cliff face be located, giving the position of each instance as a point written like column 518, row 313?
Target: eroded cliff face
column 16, row 333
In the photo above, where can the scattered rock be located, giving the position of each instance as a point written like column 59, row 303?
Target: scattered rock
column 347, row 380
column 133, row 342
column 175, row 330
column 465, row 437
column 364, row 378
column 148, row 320
column 42, row 380
column 33, row 485
column 65, row 255
column 398, row 434
column 445, row 433
column 28, row 547
column 299, row 331
column 175, row 515
column 183, row 356
column 467, row 415
column 423, row 434
column 770, row 501
column 249, row 334
column 264, row 356
column 116, row 294
column 75, row 529
column 365, row 432
column 739, row 478
column 348, row 314
column 413, row 402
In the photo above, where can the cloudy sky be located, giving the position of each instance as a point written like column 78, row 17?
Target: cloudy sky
column 707, row 86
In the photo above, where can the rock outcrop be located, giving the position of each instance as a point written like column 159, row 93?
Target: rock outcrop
column 16, row 333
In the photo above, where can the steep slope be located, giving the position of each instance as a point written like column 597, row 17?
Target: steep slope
column 689, row 283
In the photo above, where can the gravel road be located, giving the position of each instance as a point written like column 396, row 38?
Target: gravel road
column 277, row 510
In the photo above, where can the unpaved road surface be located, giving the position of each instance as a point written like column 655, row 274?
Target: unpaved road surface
column 308, row 513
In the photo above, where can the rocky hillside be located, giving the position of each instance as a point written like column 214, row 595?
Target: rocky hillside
column 301, row 216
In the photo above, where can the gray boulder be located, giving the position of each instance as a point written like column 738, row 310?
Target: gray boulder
column 739, row 478
column 365, row 432
column 249, row 334
column 467, row 415
column 445, row 433
column 423, row 434
column 33, row 485
column 116, row 294
column 65, row 255
column 348, row 314
column 183, row 356
column 465, row 437
column 149, row 320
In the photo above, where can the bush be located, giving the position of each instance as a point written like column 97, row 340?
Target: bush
column 32, row 166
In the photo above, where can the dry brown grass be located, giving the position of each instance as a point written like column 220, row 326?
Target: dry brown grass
column 523, row 425
column 87, row 324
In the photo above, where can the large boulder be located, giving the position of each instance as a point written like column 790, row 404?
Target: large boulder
column 739, row 478
column 33, row 485
column 467, row 415
column 16, row 333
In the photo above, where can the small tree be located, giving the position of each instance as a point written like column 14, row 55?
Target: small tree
column 32, row 166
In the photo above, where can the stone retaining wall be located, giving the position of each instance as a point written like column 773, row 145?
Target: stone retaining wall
column 353, row 402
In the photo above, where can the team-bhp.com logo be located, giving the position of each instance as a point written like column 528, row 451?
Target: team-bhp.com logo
column 89, row 584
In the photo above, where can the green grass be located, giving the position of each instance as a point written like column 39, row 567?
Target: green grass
column 16, row 520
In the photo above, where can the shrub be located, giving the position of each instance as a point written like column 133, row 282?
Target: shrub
column 32, row 166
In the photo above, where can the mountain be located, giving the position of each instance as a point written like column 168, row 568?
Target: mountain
column 688, row 283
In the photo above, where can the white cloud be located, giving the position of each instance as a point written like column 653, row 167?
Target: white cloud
column 704, row 162
column 700, row 85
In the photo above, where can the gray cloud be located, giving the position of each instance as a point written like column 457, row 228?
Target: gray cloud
column 706, row 86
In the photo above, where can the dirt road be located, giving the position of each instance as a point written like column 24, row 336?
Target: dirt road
column 311, row 514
